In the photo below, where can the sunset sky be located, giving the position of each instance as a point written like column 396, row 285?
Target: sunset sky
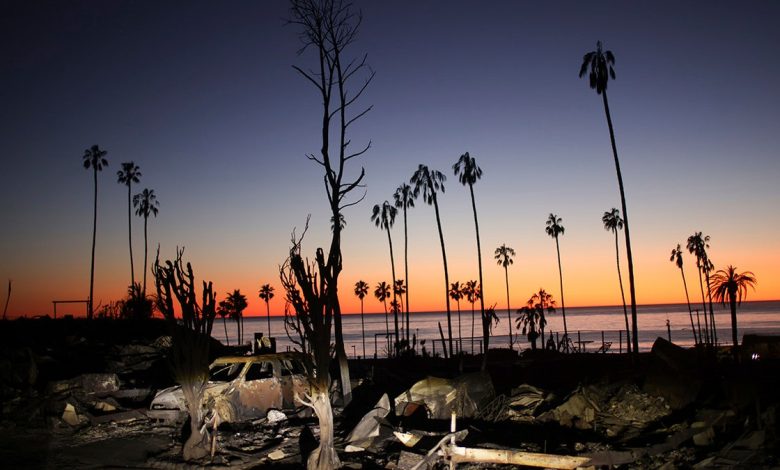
column 203, row 97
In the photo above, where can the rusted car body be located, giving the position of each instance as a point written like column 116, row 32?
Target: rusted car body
column 241, row 388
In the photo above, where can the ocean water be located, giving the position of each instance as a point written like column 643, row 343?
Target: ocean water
column 585, row 324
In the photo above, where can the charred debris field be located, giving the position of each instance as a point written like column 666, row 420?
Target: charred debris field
column 76, row 394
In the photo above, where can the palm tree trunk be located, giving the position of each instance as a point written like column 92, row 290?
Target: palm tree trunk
column 460, row 330
column 392, row 286
column 485, row 330
column 733, row 305
column 629, row 255
column 224, row 324
column 268, row 317
column 90, row 311
column 146, row 251
column 130, row 236
column 563, row 302
column 472, row 327
column 446, row 272
column 362, row 328
column 712, row 313
column 622, row 293
column 508, row 310
column 690, row 312
column 406, row 272
column 704, row 304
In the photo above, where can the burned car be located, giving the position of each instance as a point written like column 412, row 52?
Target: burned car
column 241, row 388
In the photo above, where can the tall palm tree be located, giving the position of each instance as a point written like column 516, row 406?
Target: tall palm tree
column 456, row 293
column 361, row 290
column 697, row 245
column 146, row 204
column 600, row 63
column 384, row 218
column 555, row 229
column 382, row 293
column 428, row 183
column 94, row 158
column 224, row 313
column 129, row 174
column 504, row 255
column 404, row 199
column 234, row 306
column 468, row 173
column 614, row 223
column 471, row 293
column 676, row 258
column 731, row 285
column 267, row 293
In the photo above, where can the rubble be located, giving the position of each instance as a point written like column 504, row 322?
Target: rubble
column 463, row 395
column 368, row 428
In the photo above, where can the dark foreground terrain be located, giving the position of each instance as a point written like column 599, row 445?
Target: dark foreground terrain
column 74, row 395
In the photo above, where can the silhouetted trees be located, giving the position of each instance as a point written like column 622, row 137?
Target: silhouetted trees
column 456, row 293
column 428, row 183
column 267, row 293
column 697, row 245
column 404, row 199
column 729, row 285
column 146, row 204
column 382, row 292
column 129, row 174
column 328, row 28
column 676, row 258
column 234, row 306
column 471, row 293
column 191, row 337
column 468, row 173
column 613, row 223
column 94, row 158
column 598, row 65
column 554, row 228
column 533, row 316
column 361, row 290
column 504, row 255
column 384, row 217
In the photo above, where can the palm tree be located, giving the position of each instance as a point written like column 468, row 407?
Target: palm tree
column 399, row 289
column 234, row 306
column 224, row 313
column 527, row 319
column 697, row 245
column 267, row 293
column 677, row 259
column 146, row 204
column 129, row 174
column 614, row 223
column 601, row 64
column 456, row 293
column 361, row 290
column 384, row 218
column 429, row 183
column 382, row 293
column 731, row 285
column 471, row 293
column 468, row 172
column 503, row 257
column 404, row 199
column 554, row 229
column 94, row 158
column 544, row 304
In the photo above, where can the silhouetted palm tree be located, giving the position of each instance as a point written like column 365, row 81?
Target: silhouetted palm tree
column 731, row 285
column 468, row 173
column 94, row 158
column 542, row 303
column 361, row 290
column 399, row 289
column 382, row 292
column 384, row 218
column 527, row 319
column 234, row 305
column 697, row 245
column 600, row 63
column 471, row 293
column 429, row 183
column 129, row 174
column 456, row 293
column 267, row 293
column 146, row 204
column 554, row 229
column 613, row 223
column 504, row 256
column 404, row 199
column 677, row 259
column 224, row 313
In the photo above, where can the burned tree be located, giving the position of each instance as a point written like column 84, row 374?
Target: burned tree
column 191, row 335
column 328, row 28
